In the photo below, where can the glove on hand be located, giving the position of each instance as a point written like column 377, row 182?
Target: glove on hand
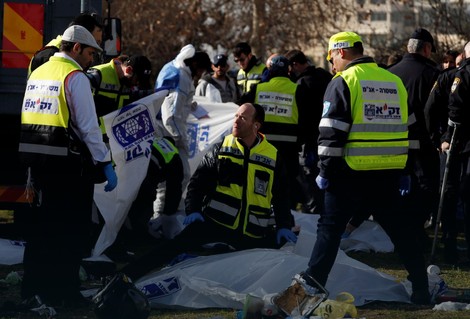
column 191, row 218
column 404, row 185
column 287, row 234
column 111, row 177
column 322, row 182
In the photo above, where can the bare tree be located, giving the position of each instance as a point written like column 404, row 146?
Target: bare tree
column 159, row 29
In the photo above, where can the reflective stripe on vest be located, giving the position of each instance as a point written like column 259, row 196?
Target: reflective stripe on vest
column 166, row 149
column 280, row 106
column 242, row 200
column 45, row 108
column 378, row 137
column 339, row 125
column 246, row 80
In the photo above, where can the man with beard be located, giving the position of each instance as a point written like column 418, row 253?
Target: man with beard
column 59, row 134
column 119, row 82
column 235, row 196
column 251, row 68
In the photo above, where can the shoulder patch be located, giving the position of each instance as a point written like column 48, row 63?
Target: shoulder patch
column 455, row 84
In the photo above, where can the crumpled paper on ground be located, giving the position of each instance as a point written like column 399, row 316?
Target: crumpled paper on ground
column 452, row 306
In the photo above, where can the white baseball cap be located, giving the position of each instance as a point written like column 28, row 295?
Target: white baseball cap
column 77, row 33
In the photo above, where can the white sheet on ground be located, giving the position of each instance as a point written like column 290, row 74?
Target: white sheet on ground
column 369, row 236
column 11, row 251
column 223, row 281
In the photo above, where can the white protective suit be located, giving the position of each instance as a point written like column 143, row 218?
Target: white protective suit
column 175, row 110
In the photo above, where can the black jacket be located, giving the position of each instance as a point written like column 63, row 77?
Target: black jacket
column 459, row 107
column 159, row 171
column 436, row 111
column 418, row 74
column 314, row 82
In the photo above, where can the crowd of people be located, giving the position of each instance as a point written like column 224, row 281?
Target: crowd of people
column 360, row 139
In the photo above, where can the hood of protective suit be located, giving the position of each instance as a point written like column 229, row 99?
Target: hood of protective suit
column 186, row 52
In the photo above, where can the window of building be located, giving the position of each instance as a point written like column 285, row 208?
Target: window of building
column 378, row 16
column 396, row 16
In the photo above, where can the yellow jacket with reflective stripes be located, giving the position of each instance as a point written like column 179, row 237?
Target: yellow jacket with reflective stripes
column 281, row 112
column 110, row 89
column 378, row 136
column 45, row 113
column 166, row 149
column 242, row 199
column 246, row 79
column 110, row 86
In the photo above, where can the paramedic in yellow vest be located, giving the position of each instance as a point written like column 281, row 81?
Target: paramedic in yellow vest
column 363, row 151
column 251, row 69
column 59, row 138
column 235, row 196
column 119, row 82
column 284, row 104
column 87, row 20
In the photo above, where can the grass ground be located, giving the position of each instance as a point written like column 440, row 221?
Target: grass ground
column 455, row 276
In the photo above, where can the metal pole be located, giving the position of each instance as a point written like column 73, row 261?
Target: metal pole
column 443, row 188
column 84, row 6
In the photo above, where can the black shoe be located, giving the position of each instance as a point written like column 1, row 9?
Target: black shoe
column 76, row 301
column 421, row 297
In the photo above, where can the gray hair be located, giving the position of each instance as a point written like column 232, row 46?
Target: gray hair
column 466, row 49
column 415, row 46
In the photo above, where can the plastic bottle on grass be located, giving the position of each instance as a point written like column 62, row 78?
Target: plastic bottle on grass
column 342, row 307
column 437, row 284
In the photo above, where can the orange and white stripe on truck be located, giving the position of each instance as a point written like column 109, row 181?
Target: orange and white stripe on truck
column 13, row 194
column 23, row 27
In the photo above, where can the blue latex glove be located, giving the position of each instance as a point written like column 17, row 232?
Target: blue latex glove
column 287, row 234
column 111, row 177
column 322, row 182
column 405, row 185
column 191, row 218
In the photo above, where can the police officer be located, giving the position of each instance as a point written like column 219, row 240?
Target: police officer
column 234, row 196
column 363, row 150
column 436, row 117
column 459, row 171
column 59, row 133
column 251, row 69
